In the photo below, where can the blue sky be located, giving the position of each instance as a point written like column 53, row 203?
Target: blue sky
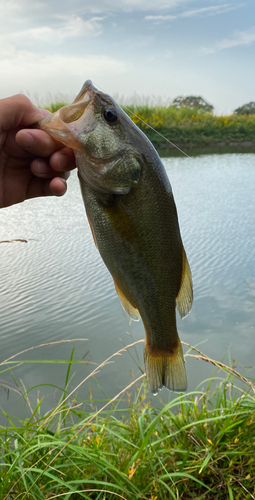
column 160, row 48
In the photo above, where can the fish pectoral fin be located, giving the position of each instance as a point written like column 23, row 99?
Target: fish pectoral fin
column 165, row 369
column 130, row 310
column 184, row 298
column 92, row 230
column 121, row 221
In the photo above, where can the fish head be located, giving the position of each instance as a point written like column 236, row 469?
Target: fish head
column 103, row 139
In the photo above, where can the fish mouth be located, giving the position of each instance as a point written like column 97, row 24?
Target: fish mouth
column 66, row 124
column 86, row 93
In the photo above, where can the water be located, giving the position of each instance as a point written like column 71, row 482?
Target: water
column 55, row 286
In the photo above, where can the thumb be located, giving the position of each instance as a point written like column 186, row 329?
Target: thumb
column 18, row 111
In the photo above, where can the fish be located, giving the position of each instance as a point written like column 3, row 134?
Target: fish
column 133, row 219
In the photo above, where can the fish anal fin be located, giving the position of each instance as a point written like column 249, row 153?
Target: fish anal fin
column 130, row 310
column 184, row 298
column 165, row 369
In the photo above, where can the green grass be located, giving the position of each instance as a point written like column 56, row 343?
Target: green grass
column 55, row 106
column 198, row 445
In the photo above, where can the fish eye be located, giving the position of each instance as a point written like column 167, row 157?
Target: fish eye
column 110, row 115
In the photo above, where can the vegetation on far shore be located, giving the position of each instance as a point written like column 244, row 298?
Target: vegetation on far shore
column 198, row 446
column 189, row 127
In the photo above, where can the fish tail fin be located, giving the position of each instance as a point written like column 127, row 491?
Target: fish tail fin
column 165, row 369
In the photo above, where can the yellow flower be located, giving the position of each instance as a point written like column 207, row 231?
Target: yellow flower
column 131, row 472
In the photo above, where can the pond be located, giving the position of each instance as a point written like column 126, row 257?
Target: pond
column 55, row 286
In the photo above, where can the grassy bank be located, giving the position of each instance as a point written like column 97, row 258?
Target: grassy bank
column 189, row 128
column 199, row 445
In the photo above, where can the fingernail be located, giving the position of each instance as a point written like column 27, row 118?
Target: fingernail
column 62, row 161
column 27, row 140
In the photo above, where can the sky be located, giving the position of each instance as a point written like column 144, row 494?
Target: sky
column 136, row 50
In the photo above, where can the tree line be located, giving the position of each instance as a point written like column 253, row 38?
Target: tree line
column 201, row 104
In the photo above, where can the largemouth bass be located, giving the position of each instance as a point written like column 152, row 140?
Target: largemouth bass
column 133, row 219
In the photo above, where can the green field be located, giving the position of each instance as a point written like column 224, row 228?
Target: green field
column 200, row 445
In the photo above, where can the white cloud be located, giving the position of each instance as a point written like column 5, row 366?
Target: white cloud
column 139, row 5
column 49, row 8
column 159, row 19
column 212, row 10
column 71, row 27
column 54, row 73
column 10, row 6
column 76, row 26
column 28, row 63
column 208, row 11
column 240, row 38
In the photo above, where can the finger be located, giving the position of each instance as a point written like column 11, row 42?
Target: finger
column 18, row 110
column 45, row 112
column 58, row 186
column 37, row 142
column 63, row 160
column 41, row 168
column 45, row 187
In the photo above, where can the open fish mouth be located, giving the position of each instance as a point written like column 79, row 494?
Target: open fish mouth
column 68, row 123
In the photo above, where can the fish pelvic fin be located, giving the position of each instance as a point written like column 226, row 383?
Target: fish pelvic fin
column 165, row 369
column 184, row 298
column 130, row 310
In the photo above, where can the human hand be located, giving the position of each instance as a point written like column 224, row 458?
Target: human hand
column 31, row 163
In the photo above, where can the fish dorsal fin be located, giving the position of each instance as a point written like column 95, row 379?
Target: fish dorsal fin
column 184, row 298
column 130, row 310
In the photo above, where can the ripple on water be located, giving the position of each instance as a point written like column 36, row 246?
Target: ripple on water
column 215, row 203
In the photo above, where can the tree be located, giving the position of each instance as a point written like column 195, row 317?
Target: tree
column 246, row 109
column 192, row 101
